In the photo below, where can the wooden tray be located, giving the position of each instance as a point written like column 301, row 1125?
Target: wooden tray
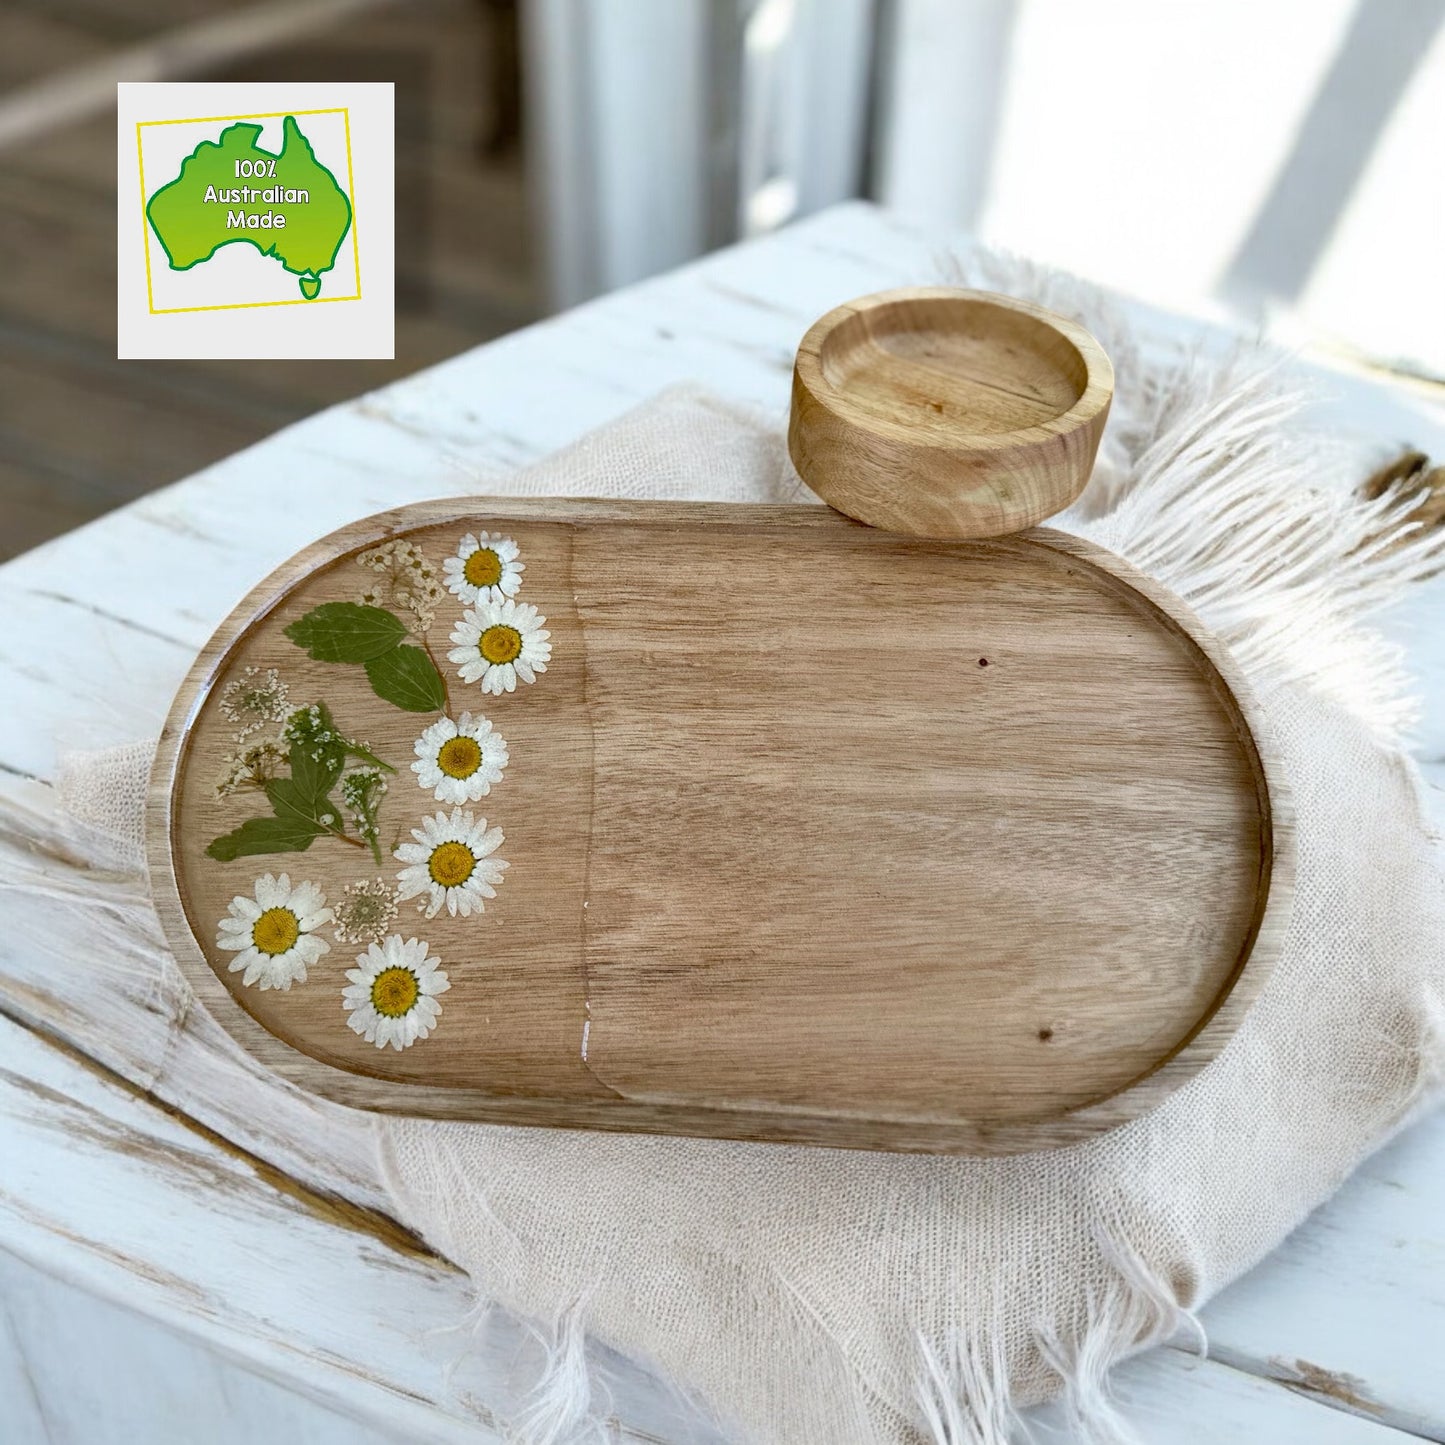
column 814, row 832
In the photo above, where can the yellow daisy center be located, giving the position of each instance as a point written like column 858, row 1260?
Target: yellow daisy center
column 500, row 644
column 394, row 992
column 483, row 568
column 276, row 931
column 459, row 757
column 451, row 864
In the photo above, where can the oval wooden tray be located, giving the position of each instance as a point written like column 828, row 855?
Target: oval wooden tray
column 814, row 832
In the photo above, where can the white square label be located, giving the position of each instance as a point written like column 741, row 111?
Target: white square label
column 255, row 221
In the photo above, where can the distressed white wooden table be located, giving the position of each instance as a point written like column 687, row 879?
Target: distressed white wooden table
column 173, row 1268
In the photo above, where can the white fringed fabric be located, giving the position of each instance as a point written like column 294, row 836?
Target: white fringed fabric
column 821, row 1296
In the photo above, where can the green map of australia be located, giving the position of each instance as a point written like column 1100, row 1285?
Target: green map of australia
column 288, row 205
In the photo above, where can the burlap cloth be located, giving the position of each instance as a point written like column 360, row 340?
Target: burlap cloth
column 809, row 1295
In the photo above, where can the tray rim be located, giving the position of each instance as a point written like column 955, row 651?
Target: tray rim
column 772, row 1123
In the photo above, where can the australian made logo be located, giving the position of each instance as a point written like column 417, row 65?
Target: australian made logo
column 229, row 190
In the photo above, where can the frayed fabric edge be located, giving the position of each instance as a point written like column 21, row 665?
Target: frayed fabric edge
column 559, row 1408
column 965, row 1390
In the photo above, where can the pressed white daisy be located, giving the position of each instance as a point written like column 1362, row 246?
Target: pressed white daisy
column 498, row 642
column 365, row 911
column 451, row 863
column 485, row 568
column 273, row 933
column 391, row 996
column 460, row 760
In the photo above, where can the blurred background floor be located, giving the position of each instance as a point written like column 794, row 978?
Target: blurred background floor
column 80, row 431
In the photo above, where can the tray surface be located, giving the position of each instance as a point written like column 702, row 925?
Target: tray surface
column 812, row 832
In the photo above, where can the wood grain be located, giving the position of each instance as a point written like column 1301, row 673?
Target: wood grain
column 819, row 833
column 948, row 413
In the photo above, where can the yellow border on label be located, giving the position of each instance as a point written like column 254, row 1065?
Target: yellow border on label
column 343, row 111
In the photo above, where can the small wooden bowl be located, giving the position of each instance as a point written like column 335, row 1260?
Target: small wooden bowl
column 947, row 413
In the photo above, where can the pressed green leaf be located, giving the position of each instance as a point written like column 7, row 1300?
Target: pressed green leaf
column 295, row 805
column 348, row 746
column 315, row 769
column 347, row 632
column 327, row 721
column 407, row 677
column 365, row 755
column 263, row 835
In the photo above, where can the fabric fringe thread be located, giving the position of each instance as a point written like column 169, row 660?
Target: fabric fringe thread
column 79, row 866
column 964, row 1392
column 559, row 1410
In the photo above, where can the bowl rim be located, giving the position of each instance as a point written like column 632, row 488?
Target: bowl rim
column 1095, row 398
